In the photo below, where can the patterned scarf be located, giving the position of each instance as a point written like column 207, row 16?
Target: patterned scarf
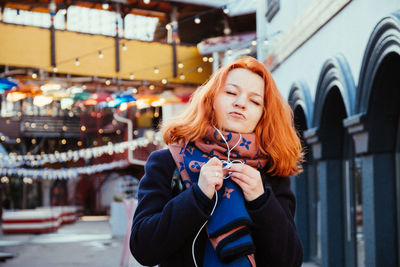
column 228, row 228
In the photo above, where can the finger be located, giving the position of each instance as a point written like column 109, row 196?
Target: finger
column 240, row 183
column 242, row 177
column 214, row 162
column 238, row 167
column 218, row 186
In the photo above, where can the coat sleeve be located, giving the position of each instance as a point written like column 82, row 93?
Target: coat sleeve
column 162, row 224
column 274, row 233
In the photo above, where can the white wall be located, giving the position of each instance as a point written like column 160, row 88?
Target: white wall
column 347, row 33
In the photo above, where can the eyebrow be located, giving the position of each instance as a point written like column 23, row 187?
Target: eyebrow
column 238, row 87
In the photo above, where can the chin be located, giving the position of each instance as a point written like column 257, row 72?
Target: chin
column 236, row 130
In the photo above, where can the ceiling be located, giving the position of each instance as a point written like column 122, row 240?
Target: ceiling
column 240, row 18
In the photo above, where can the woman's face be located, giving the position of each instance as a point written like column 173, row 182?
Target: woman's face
column 240, row 103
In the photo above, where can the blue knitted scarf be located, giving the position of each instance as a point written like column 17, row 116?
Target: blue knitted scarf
column 230, row 242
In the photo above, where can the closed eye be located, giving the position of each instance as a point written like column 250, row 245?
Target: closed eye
column 230, row 93
column 255, row 102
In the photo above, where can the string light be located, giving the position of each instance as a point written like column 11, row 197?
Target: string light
column 77, row 63
column 225, row 9
column 83, row 128
column 205, row 59
column 63, row 141
column 108, row 82
column 254, row 43
column 124, row 47
column 182, row 77
column 33, row 141
column 210, row 59
column 101, row 54
column 164, row 81
column 105, row 5
column 146, row 2
column 197, row 20
column 151, row 87
column 34, row 75
column 156, row 70
column 64, row 128
column 180, row 65
column 199, row 69
column 79, row 143
column 131, row 76
column 18, row 140
column 55, row 69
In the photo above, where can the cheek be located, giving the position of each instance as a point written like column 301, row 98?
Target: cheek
column 218, row 108
column 258, row 113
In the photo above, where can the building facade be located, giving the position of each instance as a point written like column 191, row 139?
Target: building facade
column 337, row 62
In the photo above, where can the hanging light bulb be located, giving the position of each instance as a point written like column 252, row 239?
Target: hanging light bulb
column 182, row 77
column 164, row 81
column 131, row 76
column 156, row 70
column 225, row 9
column 34, row 75
column 77, row 62
column 210, row 59
column 197, row 20
column 254, row 43
column 124, row 47
column 108, row 82
column 101, row 54
column 205, row 59
column 151, row 87
column 227, row 30
column 55, row 69
column 199, row 69
column 146, row 2
column 105, row 5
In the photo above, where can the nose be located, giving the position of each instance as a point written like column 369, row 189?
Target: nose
column 240, row 102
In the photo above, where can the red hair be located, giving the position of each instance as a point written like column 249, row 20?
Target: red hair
column 275, row 133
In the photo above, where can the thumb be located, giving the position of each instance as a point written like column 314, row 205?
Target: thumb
column 214, row 161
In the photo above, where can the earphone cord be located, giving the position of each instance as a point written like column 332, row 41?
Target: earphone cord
column 228, row 165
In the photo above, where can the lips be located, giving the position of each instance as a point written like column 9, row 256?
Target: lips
column 237, row 115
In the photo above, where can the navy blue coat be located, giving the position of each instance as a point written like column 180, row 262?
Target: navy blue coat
column 164, row 224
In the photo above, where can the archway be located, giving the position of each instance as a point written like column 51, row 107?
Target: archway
column 332, row 151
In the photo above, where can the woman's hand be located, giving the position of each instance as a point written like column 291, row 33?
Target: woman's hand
column 249, row 179
column 211, row 178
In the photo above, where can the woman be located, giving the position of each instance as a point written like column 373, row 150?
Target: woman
column 234, row 148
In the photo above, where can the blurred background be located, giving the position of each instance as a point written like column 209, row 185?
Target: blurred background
column 84, row 86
